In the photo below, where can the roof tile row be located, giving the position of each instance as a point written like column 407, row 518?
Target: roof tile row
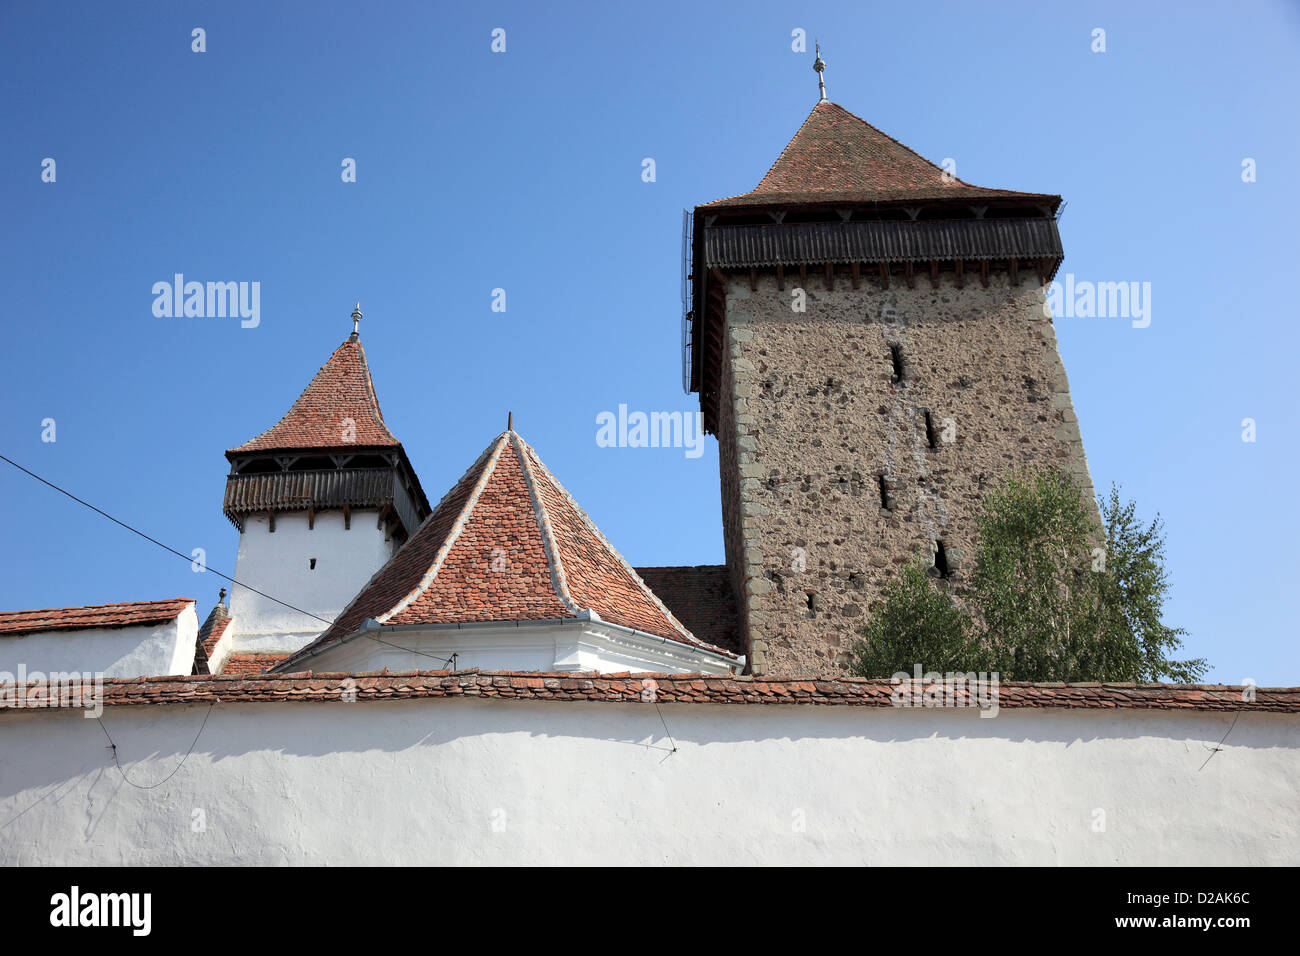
column 658, row 688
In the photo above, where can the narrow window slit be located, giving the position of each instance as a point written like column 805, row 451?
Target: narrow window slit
column 896, row 356
column 941, row 559
column 884, row 493
column 312, row 566
column 931, row 436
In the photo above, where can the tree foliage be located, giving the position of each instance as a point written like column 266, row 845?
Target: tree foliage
column 917, row 623
column 1052, row 596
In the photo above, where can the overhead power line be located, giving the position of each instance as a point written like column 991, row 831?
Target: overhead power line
column 185, row 557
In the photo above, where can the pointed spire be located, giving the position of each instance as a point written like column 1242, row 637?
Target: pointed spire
column 820, row 66
column 838, row 157
column 337, row 409
column 356, row 322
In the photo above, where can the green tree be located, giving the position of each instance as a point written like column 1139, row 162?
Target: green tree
column 1030, row 586
column 1054, row 597
column 1130, row 601
column 917, row 623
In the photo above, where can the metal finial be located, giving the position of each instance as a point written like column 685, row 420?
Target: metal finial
column 221, row 598
column 510, row 421
column 356, row 321
column 820, row 66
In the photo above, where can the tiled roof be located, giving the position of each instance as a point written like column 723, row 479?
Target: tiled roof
column 836, row 156
column 702, row 599
column 242, row 665
column 210, row 633
column 134, row 614
column 645, row 688
column 507, row 543
column 341, row 391
column 214, row 628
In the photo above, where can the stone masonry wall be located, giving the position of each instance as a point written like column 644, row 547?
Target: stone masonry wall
column 812, row 421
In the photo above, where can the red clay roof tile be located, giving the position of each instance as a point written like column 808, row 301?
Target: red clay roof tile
column 507, row 543
column 643, row 689
column 341, row 392
column 837, row 156
column 134, row 614
column 250, row 664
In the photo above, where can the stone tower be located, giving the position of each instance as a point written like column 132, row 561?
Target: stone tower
column 322, row 500
column 869, row 339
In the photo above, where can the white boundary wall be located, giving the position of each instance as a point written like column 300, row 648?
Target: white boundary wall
column 491, row 782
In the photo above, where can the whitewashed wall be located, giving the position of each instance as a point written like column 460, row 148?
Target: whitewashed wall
column 115, row 652
column 426, row 782
column 575, row 645
column 279, row 563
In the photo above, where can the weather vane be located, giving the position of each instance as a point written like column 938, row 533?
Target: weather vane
column 820, row 66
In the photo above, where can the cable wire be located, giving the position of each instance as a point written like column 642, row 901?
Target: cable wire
column 185, row 557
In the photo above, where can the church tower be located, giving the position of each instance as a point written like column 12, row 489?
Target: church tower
column 322, row 500
column 869, row 338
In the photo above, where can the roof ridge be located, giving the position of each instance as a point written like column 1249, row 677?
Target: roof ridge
column 453, row 533
column 559, row 583
column 370, row 381
column 811, row 113
column 94, row 607
column 409, row 542
column 636, row 578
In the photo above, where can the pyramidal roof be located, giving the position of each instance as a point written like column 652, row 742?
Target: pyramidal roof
column 340, row 393
column 836, row 156
column 507, row 543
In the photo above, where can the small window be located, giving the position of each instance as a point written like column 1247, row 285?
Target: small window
column 896, row 357
column 312, row 564
column 931, row 436
column 941, row 559
column 884, row 494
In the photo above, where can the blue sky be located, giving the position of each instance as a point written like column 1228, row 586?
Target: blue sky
column 522, row 170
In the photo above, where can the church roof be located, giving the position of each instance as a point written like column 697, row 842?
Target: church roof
column 131, row 614
column 839, row 157
column 341, row 392
column 507, row 543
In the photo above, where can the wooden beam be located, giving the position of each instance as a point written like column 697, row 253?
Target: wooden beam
column 780, row 277
column 855, row 272
column 753, row 280
column 884, row 275
column 984, row 273
column 907, row 273
column 934, row 274
column 311, row 518
column 270, row 515
column 1015, row 271
column 347, row 517
column 961, row 282
column 803, row 274
column 830, row 276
